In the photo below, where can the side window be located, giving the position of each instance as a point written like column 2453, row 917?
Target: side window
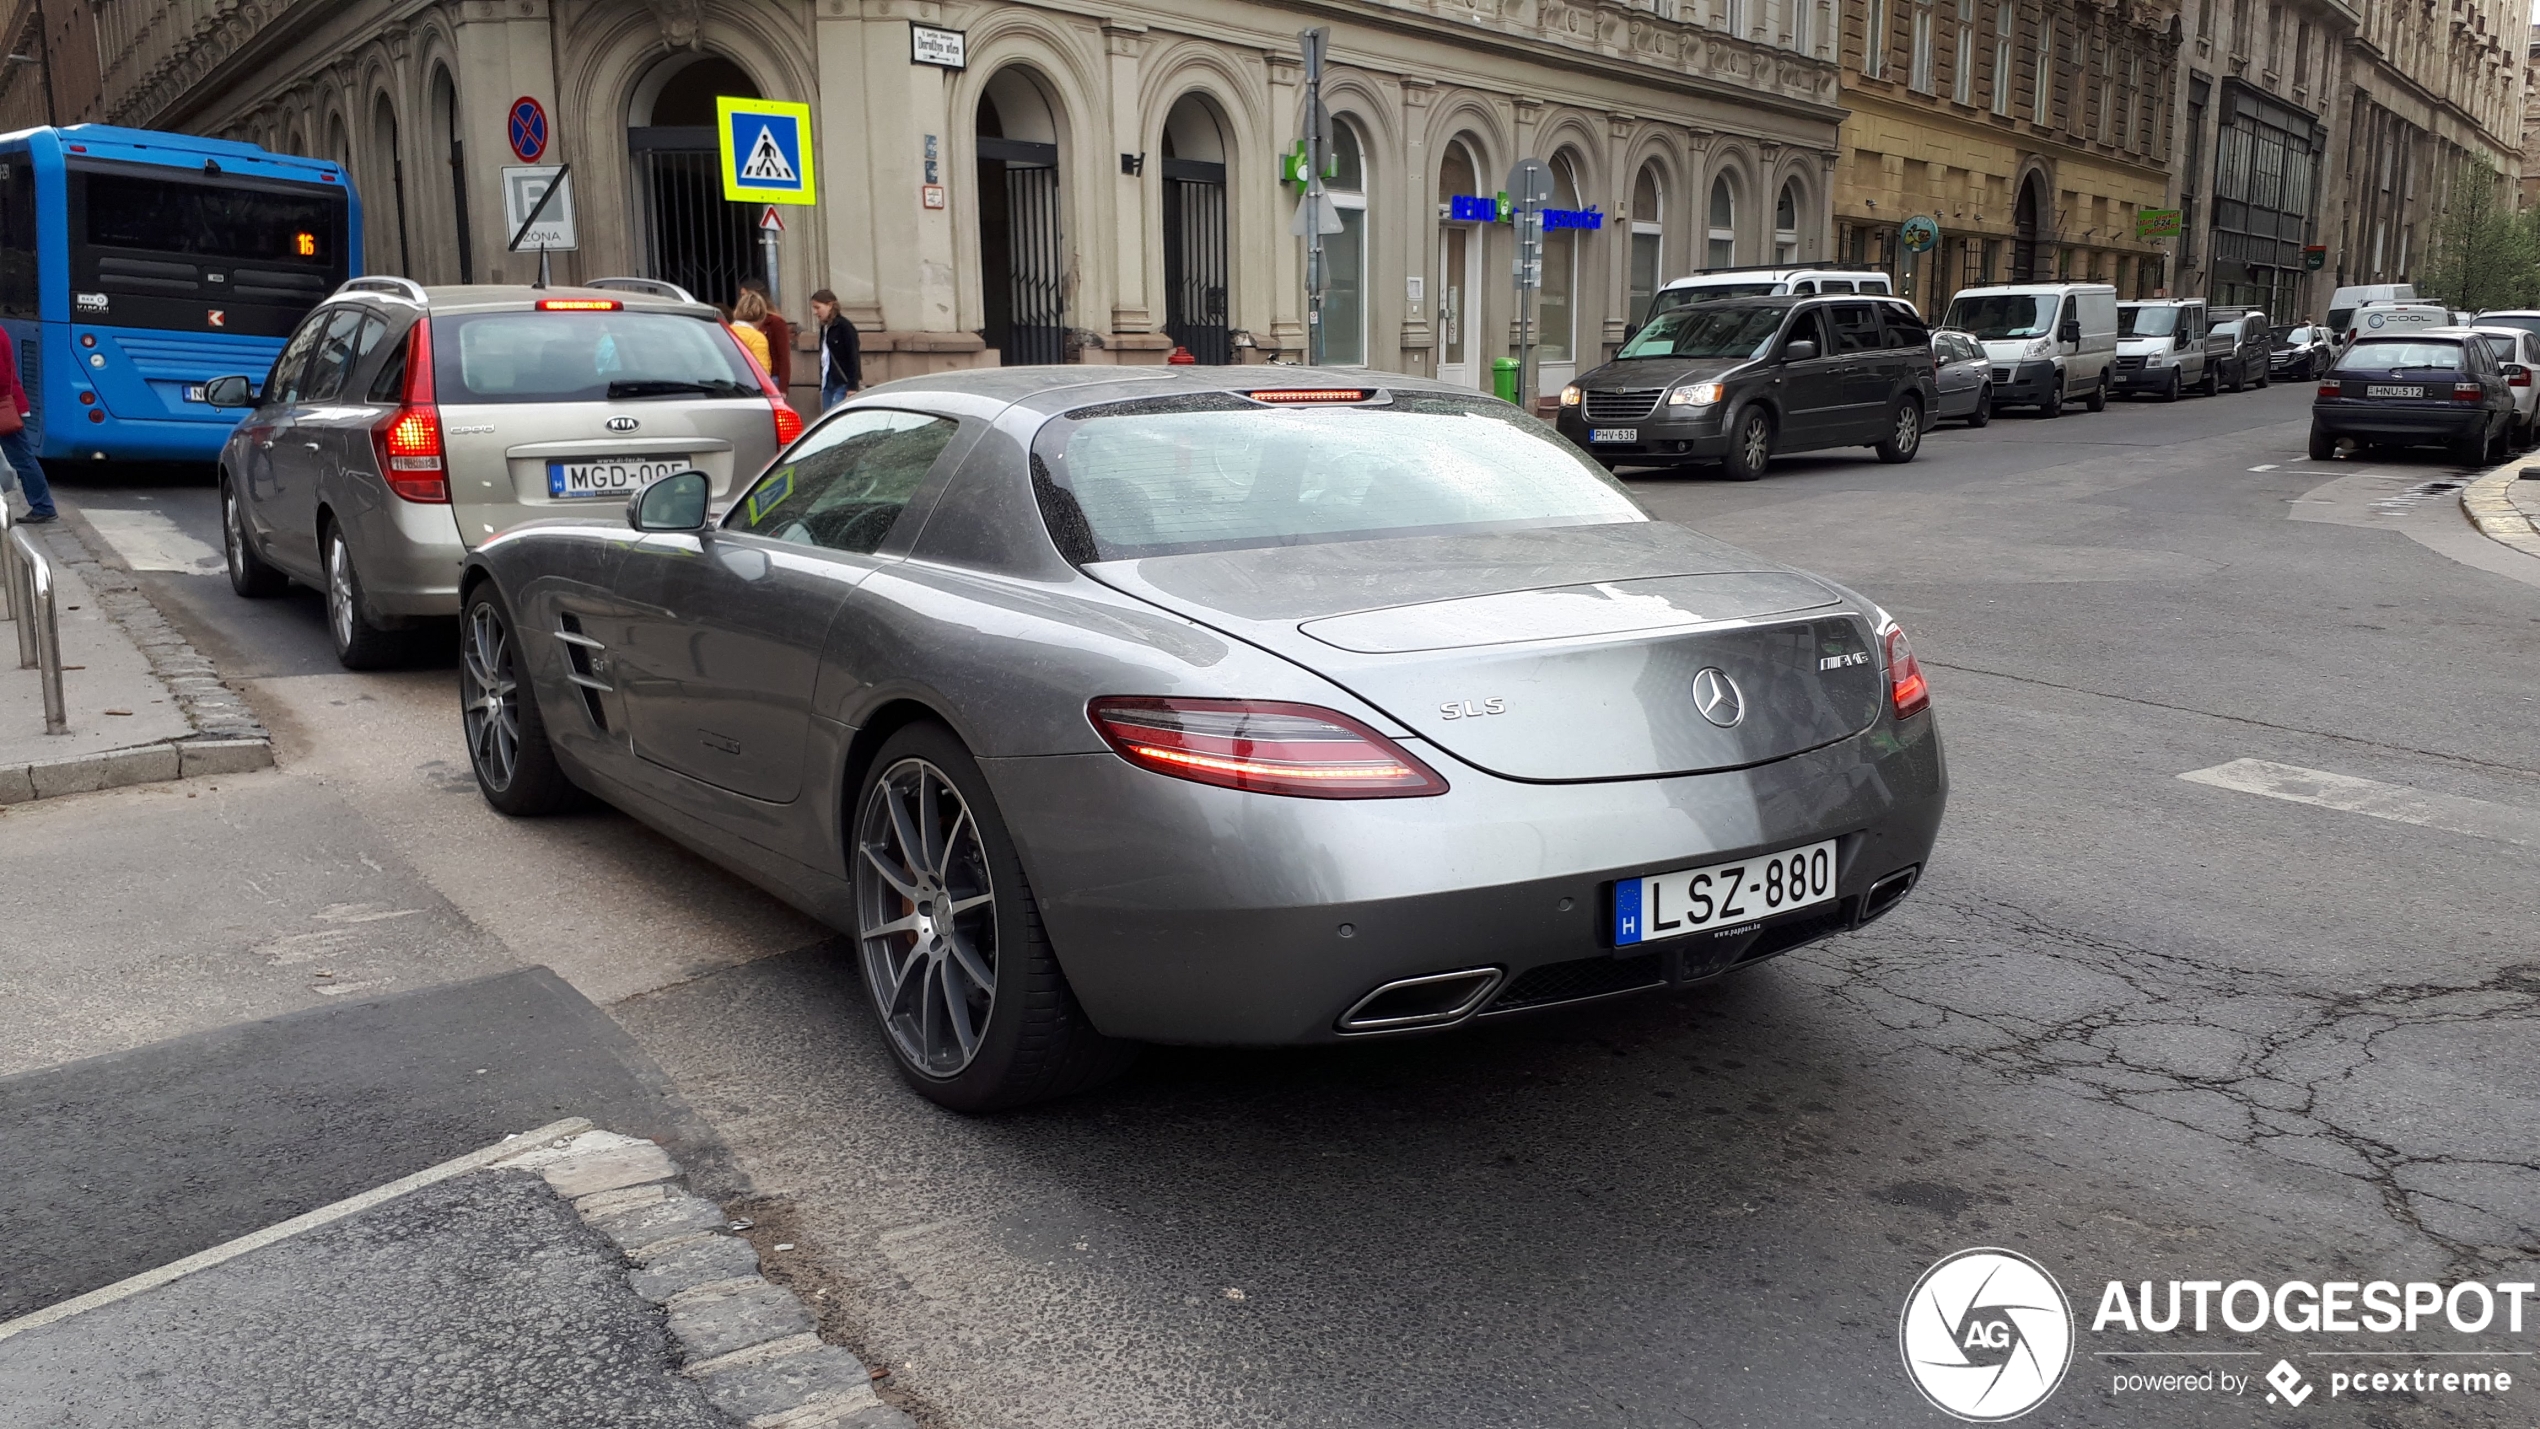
column 334, row 356
column 847, row 483
column 17, row 236
column 1856, row 327
column 389, row 383
column 1903, row 328
column 283, row 383
column 1804, row 285
column 1807, row 328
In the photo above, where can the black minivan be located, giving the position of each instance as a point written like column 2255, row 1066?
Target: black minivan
column 2436, row 386
column 1738, row 380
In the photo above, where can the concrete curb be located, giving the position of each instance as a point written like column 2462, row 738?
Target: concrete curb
column 228, row 738
column 2489, row 504
column 754, row 1347
column 751, row 1345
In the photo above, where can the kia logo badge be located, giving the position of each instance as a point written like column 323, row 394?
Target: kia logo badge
column 623, row 424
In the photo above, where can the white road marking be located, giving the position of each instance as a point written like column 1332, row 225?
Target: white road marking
column 2395, row 802
column 149, row 541
column 2270, row 466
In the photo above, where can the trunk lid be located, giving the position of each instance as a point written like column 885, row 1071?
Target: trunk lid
column 502, row 456
column 1558, row 654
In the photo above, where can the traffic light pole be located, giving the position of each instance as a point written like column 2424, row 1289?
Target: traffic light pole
column 1318, row 142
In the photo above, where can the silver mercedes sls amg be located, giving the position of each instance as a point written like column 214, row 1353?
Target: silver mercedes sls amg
column 1258, row 705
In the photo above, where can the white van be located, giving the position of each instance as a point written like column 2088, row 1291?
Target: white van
column 2049, row 342
column 2343, row 302
column 2376, row 318
column 1768, row 283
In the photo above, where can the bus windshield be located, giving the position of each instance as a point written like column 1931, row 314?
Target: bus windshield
column 166, row 248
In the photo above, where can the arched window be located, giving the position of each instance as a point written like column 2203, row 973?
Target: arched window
column 1648, row 242
column 1786, row 224
column 1345, row 253
column 1556, row 307
column 444, row 130
column 1723, row 247
column 1022, row 244
column 1459, row 279
column 1195, row 269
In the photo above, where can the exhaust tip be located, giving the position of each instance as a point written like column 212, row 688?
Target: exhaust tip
column 1887, row 893
column 1431, row 1001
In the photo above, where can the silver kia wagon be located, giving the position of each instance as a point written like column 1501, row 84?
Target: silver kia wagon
column 404, row 425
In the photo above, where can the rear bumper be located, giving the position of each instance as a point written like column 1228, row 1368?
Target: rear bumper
column 2383, row 422
column 1185, row 913
column 408, row 553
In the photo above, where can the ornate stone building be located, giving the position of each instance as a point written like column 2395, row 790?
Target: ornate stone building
column 2030, row 132
column 2340, row 124
column 1108, row 177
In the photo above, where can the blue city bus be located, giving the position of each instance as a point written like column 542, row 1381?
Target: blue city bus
column 136, row 266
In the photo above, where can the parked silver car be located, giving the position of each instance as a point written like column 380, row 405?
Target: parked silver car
column 1964, row 375
column 1217, row 705
column 403, row 425
column 2518, row 348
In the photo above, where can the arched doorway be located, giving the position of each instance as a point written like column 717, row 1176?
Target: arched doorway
column 444, row 126
column 1022, row 252
column 2028, row 222
column 1195, row 230
column 388, row 169
column 693, row 236
column 1460, row 238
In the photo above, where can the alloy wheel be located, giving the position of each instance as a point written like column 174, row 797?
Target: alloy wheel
column 926, row 916
column 1909, row 427
column 233, row 540
column 489, row 696
column 1758, row 441
column 340, row 600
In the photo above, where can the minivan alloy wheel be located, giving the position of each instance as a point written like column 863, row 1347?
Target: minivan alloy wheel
column 1757, row 438
column 926, row 916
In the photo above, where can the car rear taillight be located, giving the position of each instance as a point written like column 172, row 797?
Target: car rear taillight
column 789, row 423
column 2468, row 392
column 1262, row 747
column 409, row 440
column 2519, row 379
column 1907, row 691
column 2332, row 389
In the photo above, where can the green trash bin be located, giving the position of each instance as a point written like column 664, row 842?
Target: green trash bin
column 1503, row 378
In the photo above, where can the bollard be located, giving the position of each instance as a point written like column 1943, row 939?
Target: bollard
column 39, row 631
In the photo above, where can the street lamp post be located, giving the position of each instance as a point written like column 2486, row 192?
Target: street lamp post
column 1318, row 147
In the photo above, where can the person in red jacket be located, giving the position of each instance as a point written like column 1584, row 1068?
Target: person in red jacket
column 13, row 443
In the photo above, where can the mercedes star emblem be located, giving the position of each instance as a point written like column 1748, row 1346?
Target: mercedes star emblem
column 1715, row 694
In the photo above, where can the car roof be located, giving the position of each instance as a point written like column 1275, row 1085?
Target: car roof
column 1065, row 388
column 455, row 298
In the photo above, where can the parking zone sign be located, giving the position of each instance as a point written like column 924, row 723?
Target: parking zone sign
column 766, row 146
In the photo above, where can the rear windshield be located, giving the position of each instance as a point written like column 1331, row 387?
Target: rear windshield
column 586, row 357
column 1999, row 316
column 1706, row 331
column 2528, row 322
column 1210, row 474
column 2390, row 354
column 2503, row 347
column 2147, row 322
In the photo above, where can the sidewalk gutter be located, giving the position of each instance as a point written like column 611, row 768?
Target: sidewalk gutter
column 2505, row 505
column 224, row 735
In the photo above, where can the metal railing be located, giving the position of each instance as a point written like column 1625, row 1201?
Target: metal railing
column 29, row 579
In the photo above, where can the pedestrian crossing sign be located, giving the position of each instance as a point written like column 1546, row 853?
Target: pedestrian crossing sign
column 766, row 146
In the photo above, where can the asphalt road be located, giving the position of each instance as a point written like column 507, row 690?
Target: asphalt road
column 2136, row 1026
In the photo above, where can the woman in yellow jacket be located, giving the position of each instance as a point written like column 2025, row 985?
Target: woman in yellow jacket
column 747, row 314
